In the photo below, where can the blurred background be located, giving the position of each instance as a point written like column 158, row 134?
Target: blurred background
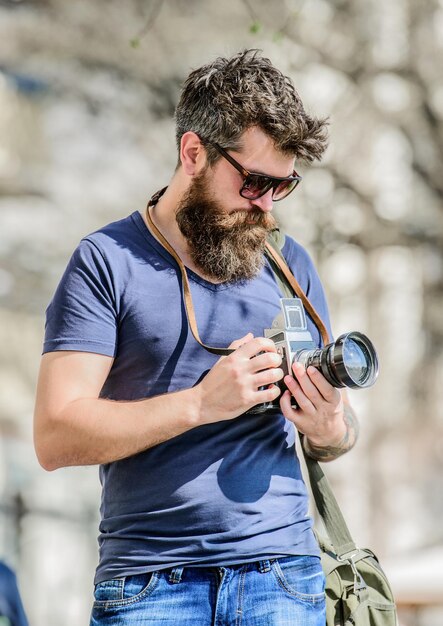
column 87, row 94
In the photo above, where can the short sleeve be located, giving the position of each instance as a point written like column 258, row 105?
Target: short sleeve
column 82, row 314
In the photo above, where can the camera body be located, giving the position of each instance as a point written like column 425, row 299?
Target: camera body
column 291, row 336
column 351, row 361
column 290, row 332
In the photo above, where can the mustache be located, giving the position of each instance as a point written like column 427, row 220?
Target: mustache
column 251, row 217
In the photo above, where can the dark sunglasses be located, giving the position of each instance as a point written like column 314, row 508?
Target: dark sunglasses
column 256, row 185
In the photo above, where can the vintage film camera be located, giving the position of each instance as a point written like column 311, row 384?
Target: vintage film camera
column 351, row 361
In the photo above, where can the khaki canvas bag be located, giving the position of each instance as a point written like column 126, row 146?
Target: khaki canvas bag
column 357, row 590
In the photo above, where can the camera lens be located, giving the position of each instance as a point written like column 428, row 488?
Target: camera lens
column 349, row 362
column 355, row 360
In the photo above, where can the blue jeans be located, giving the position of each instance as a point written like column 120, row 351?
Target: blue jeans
column 280, row 592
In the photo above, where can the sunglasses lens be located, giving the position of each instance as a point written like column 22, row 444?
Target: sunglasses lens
column 255, row 186
column 284, row 189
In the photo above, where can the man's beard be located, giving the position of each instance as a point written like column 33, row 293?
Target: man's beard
column 228, row 247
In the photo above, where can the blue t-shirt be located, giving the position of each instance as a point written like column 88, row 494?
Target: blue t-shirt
column 219, row 494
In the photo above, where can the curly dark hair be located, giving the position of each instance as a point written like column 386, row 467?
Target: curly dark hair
column 222, row 99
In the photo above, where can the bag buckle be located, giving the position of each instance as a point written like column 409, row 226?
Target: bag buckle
column 359, row 583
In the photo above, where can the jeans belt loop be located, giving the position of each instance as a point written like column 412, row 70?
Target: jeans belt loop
column 264, row 566
column 176, row 575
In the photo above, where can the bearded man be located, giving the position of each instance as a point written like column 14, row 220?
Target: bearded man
column 204, row 508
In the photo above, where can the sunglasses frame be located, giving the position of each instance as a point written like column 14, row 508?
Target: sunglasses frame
column 273, row 181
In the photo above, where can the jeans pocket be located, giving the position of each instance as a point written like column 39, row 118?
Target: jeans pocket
column 301, row 576
column 109, row 590
column 121, row 592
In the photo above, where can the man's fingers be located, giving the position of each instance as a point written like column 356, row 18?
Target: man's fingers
column 237, row 343
column 329, row 393
column 256, row 346
column 296, row 416
column 306, row 384
column 265, row 361
column 267, row 377
column 302, row 400
column 269, row 394
column 250, row 346
column 287, row 409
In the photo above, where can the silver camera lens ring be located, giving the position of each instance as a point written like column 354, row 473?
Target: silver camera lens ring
column 359, row 346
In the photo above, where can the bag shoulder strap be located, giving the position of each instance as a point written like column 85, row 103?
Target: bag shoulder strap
column 328, row 508
column 324, row 498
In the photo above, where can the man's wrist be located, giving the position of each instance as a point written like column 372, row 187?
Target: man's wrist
column 193, row 406
column 325, row 453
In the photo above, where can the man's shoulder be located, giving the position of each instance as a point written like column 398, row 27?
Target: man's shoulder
column 112, row 246
column 114, row 233
column 118, row 241
column 294, row 252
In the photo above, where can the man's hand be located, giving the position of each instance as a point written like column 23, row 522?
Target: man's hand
column 324, row 415
column 233, row 385
column 74, row 426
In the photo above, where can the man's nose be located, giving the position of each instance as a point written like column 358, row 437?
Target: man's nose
column 264, row 203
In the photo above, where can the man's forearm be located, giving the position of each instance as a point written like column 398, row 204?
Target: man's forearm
column 91, row 431
column 75, row 427
column 329, row 453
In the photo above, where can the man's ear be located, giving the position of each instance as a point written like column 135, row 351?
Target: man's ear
column 192, row 154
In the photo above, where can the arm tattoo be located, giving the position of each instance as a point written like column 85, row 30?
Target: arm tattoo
column 329, row 453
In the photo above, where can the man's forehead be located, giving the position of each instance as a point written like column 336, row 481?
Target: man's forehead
column 259, row 152
column 254, row 139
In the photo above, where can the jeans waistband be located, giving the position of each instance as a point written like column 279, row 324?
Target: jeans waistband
column 263, row 566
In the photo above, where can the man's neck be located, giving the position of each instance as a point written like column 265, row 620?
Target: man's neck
column 163, row 215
